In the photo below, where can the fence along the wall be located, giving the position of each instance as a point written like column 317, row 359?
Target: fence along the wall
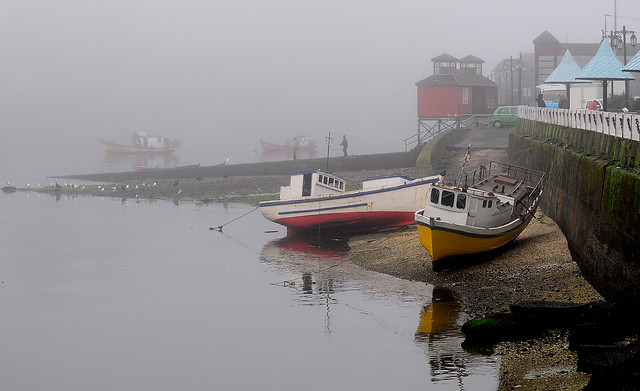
column 623, row 125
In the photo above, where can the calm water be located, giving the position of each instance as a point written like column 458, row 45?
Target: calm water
column 100, row 294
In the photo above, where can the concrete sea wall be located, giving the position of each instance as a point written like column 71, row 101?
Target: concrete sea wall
column 433, row 151
column 593, row 193
column 285, row 167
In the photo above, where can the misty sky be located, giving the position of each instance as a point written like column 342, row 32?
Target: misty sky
column 222, row 74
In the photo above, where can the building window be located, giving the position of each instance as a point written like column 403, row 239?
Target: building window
column 465, row 96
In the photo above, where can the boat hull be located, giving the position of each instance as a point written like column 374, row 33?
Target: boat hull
column 127, row 149
column 353, row 212
column 276, row 148
column 443, row 239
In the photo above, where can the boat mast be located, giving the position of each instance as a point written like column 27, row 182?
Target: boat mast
column 328, row 145
column 467, row 157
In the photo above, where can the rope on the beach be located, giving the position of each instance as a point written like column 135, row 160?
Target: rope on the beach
column 219, row 228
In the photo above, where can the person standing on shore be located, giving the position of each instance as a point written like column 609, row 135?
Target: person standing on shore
column 344, row 144
column 540, row 101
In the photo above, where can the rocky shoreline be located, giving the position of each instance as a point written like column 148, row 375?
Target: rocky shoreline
column 537, row 267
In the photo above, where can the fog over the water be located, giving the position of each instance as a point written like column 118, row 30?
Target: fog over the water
column 221, row 75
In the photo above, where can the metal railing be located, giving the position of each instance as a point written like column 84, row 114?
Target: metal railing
column 623, row 125
column 429, row 127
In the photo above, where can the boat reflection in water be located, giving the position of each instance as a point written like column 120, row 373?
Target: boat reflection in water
column 273, row 156
column 128, row 162
column 322, row 275
column 439, row 330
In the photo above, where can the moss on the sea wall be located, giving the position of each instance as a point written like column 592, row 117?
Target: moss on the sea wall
column 593, row 194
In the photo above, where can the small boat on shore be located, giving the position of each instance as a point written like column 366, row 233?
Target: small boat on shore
column 317, row 202
column 142, row 143
column 461, row 219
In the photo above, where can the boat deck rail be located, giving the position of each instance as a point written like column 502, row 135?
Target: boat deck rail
column 531, row 178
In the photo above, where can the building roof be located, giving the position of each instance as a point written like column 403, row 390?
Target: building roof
column 471, row 59
column 546, row 37
column 634, row 64
column 604, row 66
column 444, row 57
column 566, row 71
column 467, row 79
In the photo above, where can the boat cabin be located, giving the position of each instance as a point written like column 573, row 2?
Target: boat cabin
column 315, row 183
column 489, row 203
column 142, row 140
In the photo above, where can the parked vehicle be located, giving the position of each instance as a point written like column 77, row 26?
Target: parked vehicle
column 505, row 116
column 598, row 104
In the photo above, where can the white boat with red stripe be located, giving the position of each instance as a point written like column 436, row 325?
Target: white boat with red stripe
column 317, row 202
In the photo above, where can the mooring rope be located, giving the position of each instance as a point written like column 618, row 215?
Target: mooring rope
column 292, row 281
column 219, row 228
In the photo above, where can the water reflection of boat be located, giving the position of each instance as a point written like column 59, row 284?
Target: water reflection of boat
column 317, row 200
column 145, row 168
column 439, row 316
column 117, row 162
column 328, row 248
column 322, row 277
column 288, row 155
column 498, row 206
column 310, row 267
column 439, row 330
column 142, row 144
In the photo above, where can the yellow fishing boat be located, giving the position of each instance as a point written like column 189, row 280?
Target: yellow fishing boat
column 142, row 143
column 459, row 219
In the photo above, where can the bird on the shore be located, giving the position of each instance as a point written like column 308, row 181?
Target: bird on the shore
column 179, row 191
column 58, row 186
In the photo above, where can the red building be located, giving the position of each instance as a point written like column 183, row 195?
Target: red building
column 456, row 87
